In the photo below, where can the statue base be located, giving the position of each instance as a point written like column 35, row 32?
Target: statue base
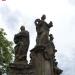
column 43, row 60
column 41, row 64
column 20, row 69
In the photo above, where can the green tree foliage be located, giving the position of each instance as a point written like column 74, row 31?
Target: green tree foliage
column 6, row 51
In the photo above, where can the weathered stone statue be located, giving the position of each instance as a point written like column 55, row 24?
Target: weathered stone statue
column 42, row 29
column 42, row 56
column 20, row 66
column 22, row 44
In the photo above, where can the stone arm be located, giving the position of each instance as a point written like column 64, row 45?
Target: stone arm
column 50, row 24
column 16, row 39
column 27, row 39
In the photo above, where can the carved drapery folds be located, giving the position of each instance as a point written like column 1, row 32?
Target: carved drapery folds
column 22, row 44
column 42, row 29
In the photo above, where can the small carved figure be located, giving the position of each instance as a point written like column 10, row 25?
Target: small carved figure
column 42, row 29
column 51, row 41
column 22, row 44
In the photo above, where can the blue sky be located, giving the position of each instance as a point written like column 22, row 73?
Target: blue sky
column 14, row 13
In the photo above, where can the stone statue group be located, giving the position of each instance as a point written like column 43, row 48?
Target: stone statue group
column 42, row 56
column 22, row 40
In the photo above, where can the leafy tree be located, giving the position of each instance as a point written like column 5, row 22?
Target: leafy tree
column 6, row 51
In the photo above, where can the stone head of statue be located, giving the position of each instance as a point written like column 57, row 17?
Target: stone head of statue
column 43, row 17
column 22, row 28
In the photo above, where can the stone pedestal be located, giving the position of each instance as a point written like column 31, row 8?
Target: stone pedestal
column 44, row 62
column 42, row 66
column 20, row 69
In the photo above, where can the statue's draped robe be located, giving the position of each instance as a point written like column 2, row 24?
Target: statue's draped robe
column 22, row 41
